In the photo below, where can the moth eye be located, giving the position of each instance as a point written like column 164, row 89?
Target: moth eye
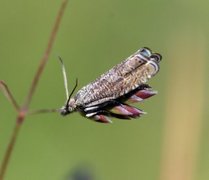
column 146, row 52
column 157, row 57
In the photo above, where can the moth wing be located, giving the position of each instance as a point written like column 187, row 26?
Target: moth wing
column 119, row 80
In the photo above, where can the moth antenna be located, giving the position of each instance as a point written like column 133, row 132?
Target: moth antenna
column 76, row 84
column 64, row 77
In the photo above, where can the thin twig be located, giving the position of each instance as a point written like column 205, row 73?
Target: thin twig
column 24, row 109
column 9, row 150
column 9, row 95
column 45, row 56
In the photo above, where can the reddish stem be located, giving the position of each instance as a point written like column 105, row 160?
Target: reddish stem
column 45, row 57
column 24, row 109
column 9, row 95
column 11, row 144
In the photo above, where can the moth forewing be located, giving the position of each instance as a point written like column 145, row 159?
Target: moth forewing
column 119, row 80
column 153, row 68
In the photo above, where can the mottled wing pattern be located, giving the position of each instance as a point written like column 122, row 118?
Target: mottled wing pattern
column 112, row 92
column 118, row 81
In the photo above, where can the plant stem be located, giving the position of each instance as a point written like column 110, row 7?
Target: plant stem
column 45, row 57
column 22, row 112
column 10, row 146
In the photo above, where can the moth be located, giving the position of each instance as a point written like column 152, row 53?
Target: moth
column 111, row 94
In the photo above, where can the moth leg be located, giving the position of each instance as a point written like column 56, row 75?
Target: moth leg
column 114, row 108
column 91, row 114
column 100, row 108
column 4, row 88
column 126, row 111
column 139, row 94
column 121, row 111
column 99, row 116
column 118, row 109
column 90, row 109
column 109, row 103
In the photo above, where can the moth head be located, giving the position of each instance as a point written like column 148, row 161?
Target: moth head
column 70, row 104
column 68, row 108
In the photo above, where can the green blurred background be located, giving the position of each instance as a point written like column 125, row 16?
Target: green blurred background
column 169, row 143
